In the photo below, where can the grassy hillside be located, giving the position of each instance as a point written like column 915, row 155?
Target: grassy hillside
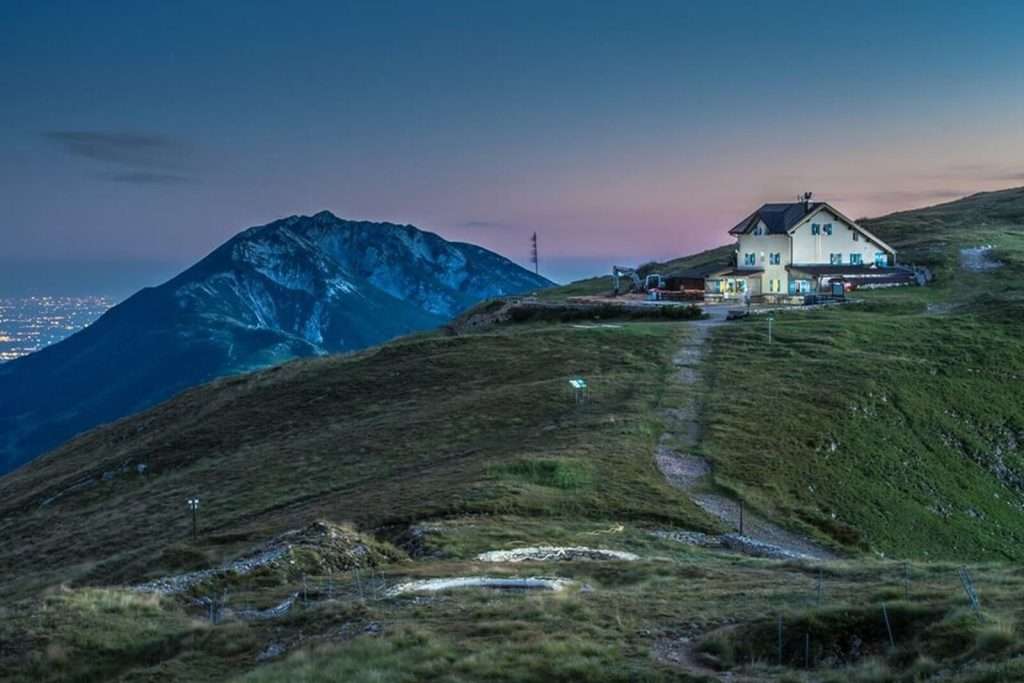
column 932, row 234
column 892, row 427
column 896, row 425
column 428, row 427
column 603, row 284
column 887, row 427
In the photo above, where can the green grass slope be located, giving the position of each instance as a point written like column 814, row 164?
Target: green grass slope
column 891, row 426
column 428, row 427
column 895, row 425
column 929, row 235
column 600, row 285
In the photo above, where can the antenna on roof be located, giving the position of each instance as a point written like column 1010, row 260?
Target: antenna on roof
column 806, row 199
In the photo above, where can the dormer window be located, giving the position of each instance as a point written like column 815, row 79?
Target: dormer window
column 759, row 230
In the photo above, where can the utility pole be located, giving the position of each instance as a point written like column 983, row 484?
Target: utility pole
column 533, row 254
column 193, row 505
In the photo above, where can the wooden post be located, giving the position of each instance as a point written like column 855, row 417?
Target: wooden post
column 888, row 626
column 780, row 640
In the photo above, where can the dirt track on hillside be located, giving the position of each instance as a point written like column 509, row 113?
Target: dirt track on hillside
column 693, row 474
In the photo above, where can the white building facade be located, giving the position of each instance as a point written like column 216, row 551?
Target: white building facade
column 786, row 251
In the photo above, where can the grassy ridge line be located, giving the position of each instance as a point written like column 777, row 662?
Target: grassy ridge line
column 602, row 284
column 930, row 236
column 425, row 428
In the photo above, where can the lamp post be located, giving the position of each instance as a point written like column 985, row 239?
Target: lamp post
column 770, row 319
column 193, row 505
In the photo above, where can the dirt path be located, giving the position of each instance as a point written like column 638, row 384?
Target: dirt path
column 680, row 653
column 692, row 473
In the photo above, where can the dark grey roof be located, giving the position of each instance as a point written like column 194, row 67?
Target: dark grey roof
column 778, row 217
column 847, row 269
column 737, row 272
column 703, row 271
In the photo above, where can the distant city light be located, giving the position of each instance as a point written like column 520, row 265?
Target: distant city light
column 32, row 323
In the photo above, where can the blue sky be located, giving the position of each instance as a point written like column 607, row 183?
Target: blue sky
column 620, row 132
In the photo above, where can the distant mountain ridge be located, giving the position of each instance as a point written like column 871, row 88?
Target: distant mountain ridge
column 300, row 286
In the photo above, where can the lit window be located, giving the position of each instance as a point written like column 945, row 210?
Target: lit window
column 856, row 259
column 880, row 260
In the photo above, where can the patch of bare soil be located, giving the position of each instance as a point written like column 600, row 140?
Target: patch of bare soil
column 680, row 652
column 682, row 471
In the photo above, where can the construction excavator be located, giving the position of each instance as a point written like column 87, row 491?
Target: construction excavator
column 652, row 281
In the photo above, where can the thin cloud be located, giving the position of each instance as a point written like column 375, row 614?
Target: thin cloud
column 144, row 158
column 147, row 178
column 980, row 172
column 1019, row 175
column 486, row 225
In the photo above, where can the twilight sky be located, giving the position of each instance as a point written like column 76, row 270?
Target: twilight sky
column 148, row 133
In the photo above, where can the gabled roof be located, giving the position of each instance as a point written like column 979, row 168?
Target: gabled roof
column 847, row 269
column 834, row 269
column 783, row 219
column 778, row 218
column 702, row 271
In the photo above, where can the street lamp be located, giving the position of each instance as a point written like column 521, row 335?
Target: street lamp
column 579, row 389
column 770, row 319
column 193, row 505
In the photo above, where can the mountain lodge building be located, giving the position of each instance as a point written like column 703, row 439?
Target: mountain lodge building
column 786, row 251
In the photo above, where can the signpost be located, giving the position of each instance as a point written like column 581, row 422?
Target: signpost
column 194, row 506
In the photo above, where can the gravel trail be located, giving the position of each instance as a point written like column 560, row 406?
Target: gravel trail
column 691, row 473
